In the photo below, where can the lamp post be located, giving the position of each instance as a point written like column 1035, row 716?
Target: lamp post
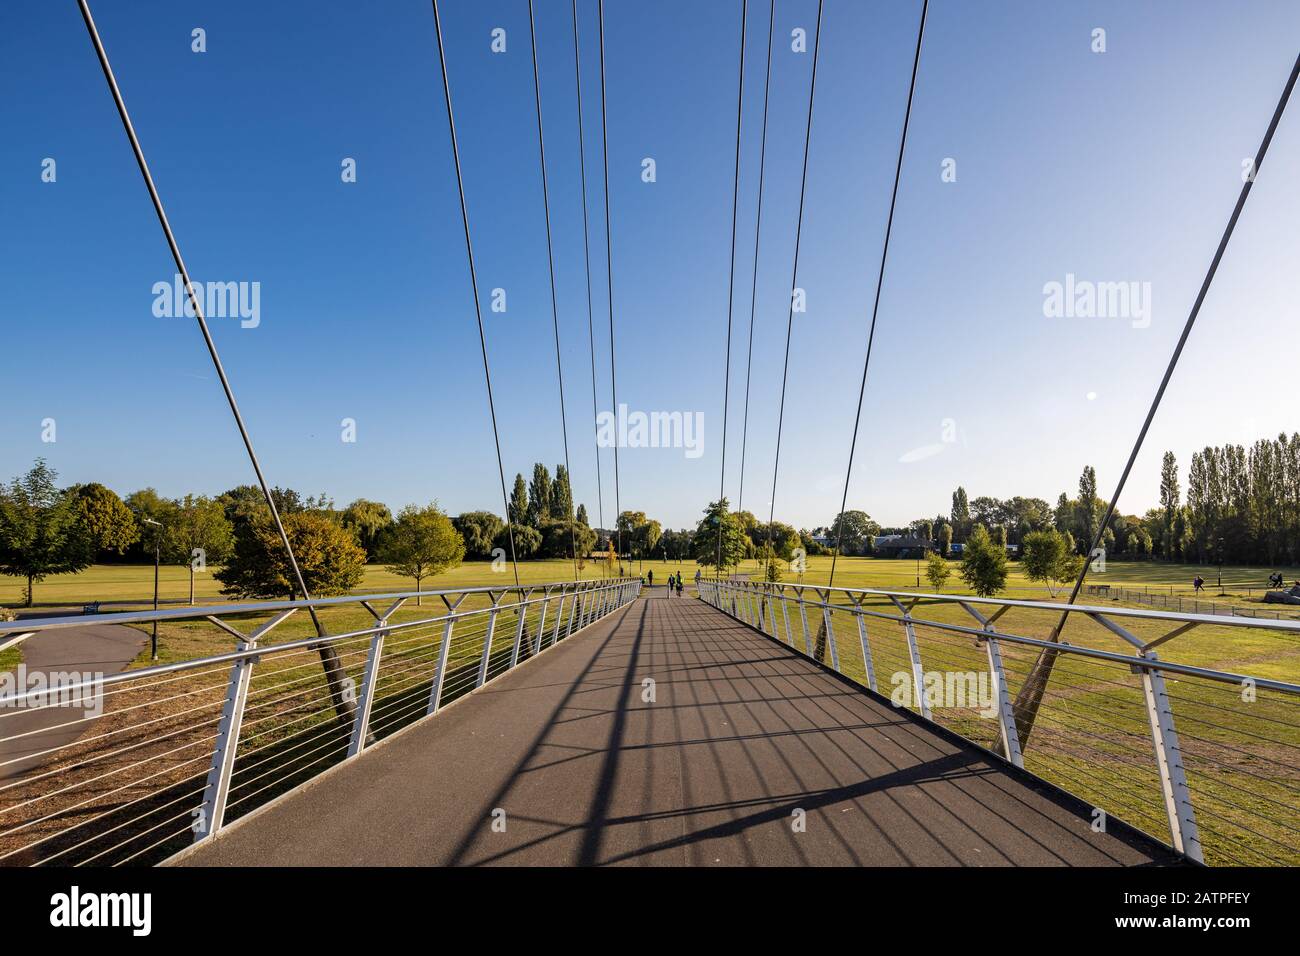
column 157, row 555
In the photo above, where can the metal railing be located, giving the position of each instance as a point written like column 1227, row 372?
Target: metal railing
column 131, row 767
column 1222, row 786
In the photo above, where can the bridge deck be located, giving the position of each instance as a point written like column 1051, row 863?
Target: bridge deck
column 742, row 732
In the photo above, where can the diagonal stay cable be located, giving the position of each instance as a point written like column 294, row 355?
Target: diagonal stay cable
column 1031, row 692
column 880, row 281
column 609, row 273
column 194, row 302
column 550, row 264
column 586, row 259
column 473, row 280
column 758, row 230
column 731, row 276
column 798, row 235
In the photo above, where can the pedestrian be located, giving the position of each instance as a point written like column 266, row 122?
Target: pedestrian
column 1198, row 583
column 679, row 584
column 650, row 576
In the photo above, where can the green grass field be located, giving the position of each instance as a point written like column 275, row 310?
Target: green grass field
column 1092, row 736
column 132, row 585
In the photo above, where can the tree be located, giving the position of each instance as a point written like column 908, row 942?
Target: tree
column 40, row 530
column 517, row 512
column 945, row 539
column 329, row 557
column 937, row 570
column 369, row 520
column 960, row 513
column 1089, row 507
column 197, row 524
column 422, row 543
column 852, row 529
column 1048, row 558
column 719, row 531
column 561, row 496
column 1169, row 499
column 983, row 563
column 539, row 496
column 108, row 524
column 480, row 530
column 527, row 540
column 582, row 516
column 559, row 539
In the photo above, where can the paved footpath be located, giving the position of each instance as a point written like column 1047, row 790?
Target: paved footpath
column 741, row 733
column 86, row 651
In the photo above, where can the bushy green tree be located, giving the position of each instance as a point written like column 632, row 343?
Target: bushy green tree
column 107, row 523
column 331, row 560
column 197, row 524
column 369, row 520
column 983, row 563
column 1047, row 557
column 936, row 570
column 719, row 525
column 40, row 530
column 527, row 540
column 561, row 496
column 517, row 511
column 422, row 543
column 539, row 496
column 480, row 530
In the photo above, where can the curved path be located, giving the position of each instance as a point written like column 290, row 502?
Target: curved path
column 571, row 759
column 93, row 649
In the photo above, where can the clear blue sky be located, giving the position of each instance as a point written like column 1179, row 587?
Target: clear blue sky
column 1120, row 166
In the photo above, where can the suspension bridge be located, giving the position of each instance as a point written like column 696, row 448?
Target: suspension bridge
column 598, row 722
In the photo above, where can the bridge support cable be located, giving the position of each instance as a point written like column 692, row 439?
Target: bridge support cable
column 473, row 280
column 789, row 325
column 758, row 228
column 586, row 259
column 550, row 265
column 609, row 273
column 329, row 659
column 731, row 278
column 1031, row 692
column 880, row 281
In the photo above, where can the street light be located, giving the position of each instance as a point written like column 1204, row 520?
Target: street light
column 157, row 555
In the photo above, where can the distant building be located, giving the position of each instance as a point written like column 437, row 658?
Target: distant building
column 902, row 546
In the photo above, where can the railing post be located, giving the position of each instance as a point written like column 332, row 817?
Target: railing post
column 803, row 618
column 522, row 611
column 541, row 623
column 212, row 812
column 918, row 673
column 366, row 699
column 1006, row 714
column 487, row 639
column 830, row 635
column 866, row 651
column 559, row 617
column 574, row 610
column 1169, row 761
column 440, row 671
column 785, row 616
